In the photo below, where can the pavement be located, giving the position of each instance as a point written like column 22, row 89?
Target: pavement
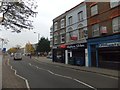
column 108, row 72
column 0, row 72
column 8, row 74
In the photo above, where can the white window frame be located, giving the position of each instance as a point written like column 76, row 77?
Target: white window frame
column 116, row 24
column 95, row 30
column 62, row 36
column 56, row 38
column 94, row 10
column 62, row 23
column 80, row 16
column 55, row 26
column 73, row 33
column 114, row 3
column 70, row 20
column 83, row 33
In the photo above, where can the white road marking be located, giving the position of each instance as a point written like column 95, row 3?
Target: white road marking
column 50, row 71
column 66, row 77
column 85, row 84
column 37, row 67
column 30, row 64
column 26, row 81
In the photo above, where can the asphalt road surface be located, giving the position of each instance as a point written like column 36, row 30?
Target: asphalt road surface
column 45, row 75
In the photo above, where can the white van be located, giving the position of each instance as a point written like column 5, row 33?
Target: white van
column 17, row 56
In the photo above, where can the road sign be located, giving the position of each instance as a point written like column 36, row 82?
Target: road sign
column 4, row 50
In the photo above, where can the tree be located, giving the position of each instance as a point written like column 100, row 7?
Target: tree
column 16, row 15
column 12, row 50
column 43, row 45
column 29, row 48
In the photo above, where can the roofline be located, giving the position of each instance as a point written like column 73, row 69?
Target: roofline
column 75, row 6
column 69, row 10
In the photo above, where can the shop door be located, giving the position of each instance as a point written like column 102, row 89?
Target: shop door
column 93, row 55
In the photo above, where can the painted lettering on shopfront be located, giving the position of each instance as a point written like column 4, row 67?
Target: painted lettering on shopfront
column 76, row 46
column 114, row 44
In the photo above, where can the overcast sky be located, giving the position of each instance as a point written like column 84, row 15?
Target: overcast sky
column 47, row 11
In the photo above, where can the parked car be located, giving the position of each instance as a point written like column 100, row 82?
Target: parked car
column 17, row 56
column 49, row 56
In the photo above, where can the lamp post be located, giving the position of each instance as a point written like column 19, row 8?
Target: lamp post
column 38, row 36
column 38, row 42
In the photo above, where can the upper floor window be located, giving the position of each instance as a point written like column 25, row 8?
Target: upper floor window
column 94, row 10
column 95, row 30
column 55, row 26
column 83, row 33
column 73, row 35
column 62, row 23
column 116, row 24
column 70, row 20
column 114, row 3
column 80, row 16
column 69, row 29
column 62, row 38
column 55, row 38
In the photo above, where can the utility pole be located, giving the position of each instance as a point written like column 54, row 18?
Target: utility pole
column 38, row 37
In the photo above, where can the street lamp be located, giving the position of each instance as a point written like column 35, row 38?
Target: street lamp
column 38, row 36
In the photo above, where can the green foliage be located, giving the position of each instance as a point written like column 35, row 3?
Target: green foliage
column 43, row 45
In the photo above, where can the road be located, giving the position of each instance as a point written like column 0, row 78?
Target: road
column 44, row 75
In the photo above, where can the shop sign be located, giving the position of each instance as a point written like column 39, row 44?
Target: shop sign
column 55, row 47
column 76, row 46
column 103, row 30
column 62, row 46
column 114, row 44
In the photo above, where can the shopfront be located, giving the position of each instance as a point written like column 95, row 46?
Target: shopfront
column 104, row 52
column 58, row 54
column 75, row 54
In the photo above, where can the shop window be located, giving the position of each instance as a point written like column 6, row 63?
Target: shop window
column 116, row 25
column 95, row 30
column 94, row 10
column 114, row 3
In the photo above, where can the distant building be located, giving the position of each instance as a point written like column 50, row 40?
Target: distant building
column 51, row 36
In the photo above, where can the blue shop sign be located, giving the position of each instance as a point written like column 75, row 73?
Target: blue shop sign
column 110, row 44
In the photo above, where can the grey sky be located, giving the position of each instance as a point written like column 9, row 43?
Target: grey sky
column 47, row 11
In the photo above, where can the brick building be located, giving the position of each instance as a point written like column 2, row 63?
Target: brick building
column 103, row 34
